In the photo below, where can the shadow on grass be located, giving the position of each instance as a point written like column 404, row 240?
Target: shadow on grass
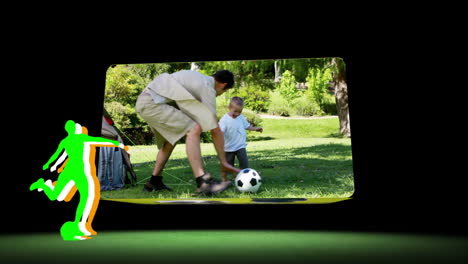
column 335, row 135
column 259, row 138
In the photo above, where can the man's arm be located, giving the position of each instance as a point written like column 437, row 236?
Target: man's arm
column 105, row 140
column 59, row 161
column 54, row 156
column 218, row 142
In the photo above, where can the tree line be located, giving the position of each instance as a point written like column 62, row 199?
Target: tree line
column 314, row 86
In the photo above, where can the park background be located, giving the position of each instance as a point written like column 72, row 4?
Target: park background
column 302, row 104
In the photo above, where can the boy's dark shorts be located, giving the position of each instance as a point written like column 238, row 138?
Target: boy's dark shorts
column 241, row 155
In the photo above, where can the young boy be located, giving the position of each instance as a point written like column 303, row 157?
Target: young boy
column 233, row 124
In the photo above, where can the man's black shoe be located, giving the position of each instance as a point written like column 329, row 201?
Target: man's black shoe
column 150, row 187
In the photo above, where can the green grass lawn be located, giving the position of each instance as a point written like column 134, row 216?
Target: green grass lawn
column 295, row 158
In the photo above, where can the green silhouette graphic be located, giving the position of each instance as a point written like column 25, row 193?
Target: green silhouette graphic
column 79, row 174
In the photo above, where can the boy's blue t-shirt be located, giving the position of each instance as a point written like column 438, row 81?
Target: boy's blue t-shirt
column 235, row 136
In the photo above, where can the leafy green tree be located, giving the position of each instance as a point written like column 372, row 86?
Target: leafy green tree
column 287, row 87
column 246, row 72
column 253, row 80
column 122, row 85
column 148, row 72
column 300, row 67
column 318, row 83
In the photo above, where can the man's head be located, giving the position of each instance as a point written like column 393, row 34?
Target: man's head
column 236, row 106
column 70, row 127
column 224, row 80
column 74, row 128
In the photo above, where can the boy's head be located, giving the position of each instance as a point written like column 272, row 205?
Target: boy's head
column 236, row 105
column 224, row 80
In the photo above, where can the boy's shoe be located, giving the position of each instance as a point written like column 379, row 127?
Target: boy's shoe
column 207, row 185
column 149, row 187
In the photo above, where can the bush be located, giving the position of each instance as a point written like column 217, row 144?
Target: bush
column 120, row 114
column 254, row 98
column 252, row 117
column 138, row 136
column 206, row 137
column 280, row 111
column 305, row 107
column 222, row 103
column 278, row 105
column 330, row 108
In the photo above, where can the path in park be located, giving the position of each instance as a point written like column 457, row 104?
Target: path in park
column 295, row 117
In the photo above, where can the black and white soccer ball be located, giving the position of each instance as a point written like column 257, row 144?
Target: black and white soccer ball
column 248, row 180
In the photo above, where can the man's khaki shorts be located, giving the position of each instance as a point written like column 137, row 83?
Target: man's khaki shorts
column 167, row 122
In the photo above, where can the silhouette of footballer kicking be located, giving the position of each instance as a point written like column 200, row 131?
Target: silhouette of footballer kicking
column 78, row 174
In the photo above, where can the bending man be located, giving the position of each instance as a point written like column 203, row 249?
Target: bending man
column 184, row 103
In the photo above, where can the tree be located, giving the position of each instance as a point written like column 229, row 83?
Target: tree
column 341, row 95
column 287, row 87
column 149, row 71
column 318, row 81
column 246, row 72
column 122, row 88
column 277, row 72
column 253, row 80
column 300, row 67
column 194, row 66
column 123, row 85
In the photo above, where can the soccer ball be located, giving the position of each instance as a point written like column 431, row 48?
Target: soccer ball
column 248, row 180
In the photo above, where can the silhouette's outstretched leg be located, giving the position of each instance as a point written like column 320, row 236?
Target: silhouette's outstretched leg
column 39, row 184
column 52, row 193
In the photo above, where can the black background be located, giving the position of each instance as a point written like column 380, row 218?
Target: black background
column 405, row 179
